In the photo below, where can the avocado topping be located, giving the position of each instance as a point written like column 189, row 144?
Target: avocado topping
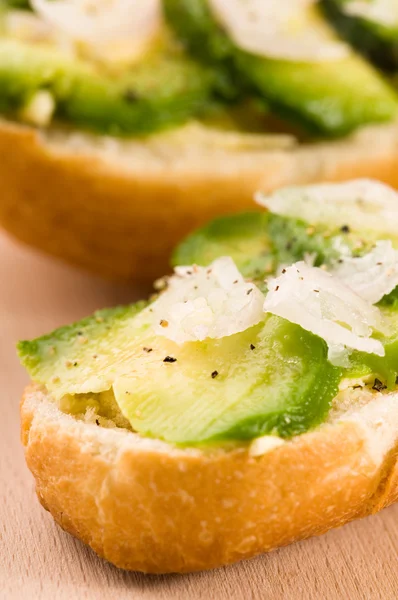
column 192, row 69
column 164, row 90
column 273, row 377
column 328, row 98
column 244, row 237
column 217, row 358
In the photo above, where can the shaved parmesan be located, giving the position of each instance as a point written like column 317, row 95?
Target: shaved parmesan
column 99, row 21
column 380, row 11
column 361, row 203
column 373, row 275
column 271, row 28
column 324, row 305
column 207, row 302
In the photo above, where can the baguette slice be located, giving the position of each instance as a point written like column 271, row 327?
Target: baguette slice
column 118, row 208
column 145, row 505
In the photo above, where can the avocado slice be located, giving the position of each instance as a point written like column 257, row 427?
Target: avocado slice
column 376, row 40
column 244, row 237
column 82, row 357
column 273, row 377
column 259, row 242
column 259, row 239
column 22, row 4
column 327, row 98
column 384, row 370
column 164, row 90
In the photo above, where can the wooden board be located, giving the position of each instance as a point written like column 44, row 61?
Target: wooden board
column 39, row 561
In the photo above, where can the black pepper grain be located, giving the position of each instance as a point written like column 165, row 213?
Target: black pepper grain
column 345, row 229
column 252, row 347
column 131, row 96
column 169, row 359
column 378, row 385
column 214, row 374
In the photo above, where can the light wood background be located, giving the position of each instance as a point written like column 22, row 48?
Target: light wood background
column 39, row 561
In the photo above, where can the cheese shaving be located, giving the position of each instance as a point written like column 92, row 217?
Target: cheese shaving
column 373, row 275
column 379, row 11
column 207, row 302
column 361, row 203
column 287, row 30
column 99, row 21
column 324, row 305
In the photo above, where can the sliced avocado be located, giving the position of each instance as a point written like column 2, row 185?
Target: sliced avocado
column 293, row 239
column 329, row 97
column 164, row 90
column 259, row 242
column 385, row 368
column 374, row 39
column 273, row 377
column 15, row 4
column 244, row 237
column 83, row 357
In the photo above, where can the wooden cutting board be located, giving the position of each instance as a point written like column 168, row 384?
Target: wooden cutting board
column 38, row 561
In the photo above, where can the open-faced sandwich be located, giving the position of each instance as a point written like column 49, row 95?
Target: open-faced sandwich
column 251, row 402
column 126, row 124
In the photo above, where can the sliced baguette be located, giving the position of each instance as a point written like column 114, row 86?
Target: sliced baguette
column 144, row 505
column 118, row 208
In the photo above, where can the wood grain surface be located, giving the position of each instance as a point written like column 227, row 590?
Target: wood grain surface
column 39, row 561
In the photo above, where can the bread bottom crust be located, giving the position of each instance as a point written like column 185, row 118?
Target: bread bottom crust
column 120, row 213
column 144, row 505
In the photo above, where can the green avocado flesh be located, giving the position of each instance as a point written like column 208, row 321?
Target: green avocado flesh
column 243, row 237
column 327, row 98
column 273, row 377
column 375, row 40
column 293, row 239
column 164, row 90
column 193, row 73
column 260, row 242
column 385, row 368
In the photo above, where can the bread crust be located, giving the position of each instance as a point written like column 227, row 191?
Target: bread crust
column 144, row 505
column 121, row 215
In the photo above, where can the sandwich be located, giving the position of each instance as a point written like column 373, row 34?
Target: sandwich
column 126, row 125
column 251, row 402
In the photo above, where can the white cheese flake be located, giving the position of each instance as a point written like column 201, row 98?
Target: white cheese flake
column 279, row 29
column 99, row 21
column 324, row 305
column 207, row 302
column 361, row 203
column 384, row 12
column 372, row 275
